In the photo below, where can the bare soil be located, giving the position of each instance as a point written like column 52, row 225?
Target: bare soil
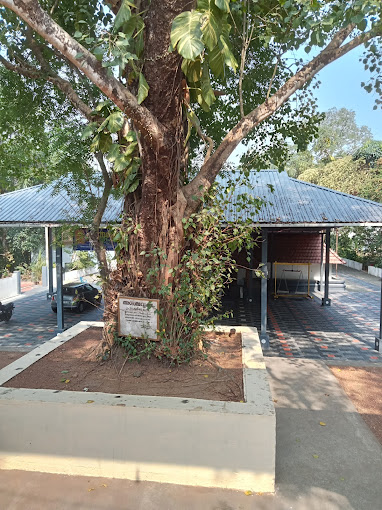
column 71, row 367
column 7, row 357
column 363, row 385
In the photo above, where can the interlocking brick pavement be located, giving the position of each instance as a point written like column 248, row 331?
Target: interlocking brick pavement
column 33, row 322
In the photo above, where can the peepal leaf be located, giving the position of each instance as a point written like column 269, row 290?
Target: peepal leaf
column 116, row 121
column 123, row 15
column 143, row 88
column 186, row 34
column 223, row 5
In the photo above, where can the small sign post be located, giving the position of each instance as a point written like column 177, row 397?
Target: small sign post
column 138, row 317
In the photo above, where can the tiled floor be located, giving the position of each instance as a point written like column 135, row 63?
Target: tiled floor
column 302, row 328
column 33, row 322
column 298, row 328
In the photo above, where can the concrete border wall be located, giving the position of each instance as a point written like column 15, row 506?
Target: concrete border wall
column 375, row 271
column 353, row 264
column 164, row 439
column 69, row 276
column 11, row 286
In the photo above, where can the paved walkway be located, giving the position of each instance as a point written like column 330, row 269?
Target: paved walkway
column 336, row 466
column 302, row 328
column 33, row 321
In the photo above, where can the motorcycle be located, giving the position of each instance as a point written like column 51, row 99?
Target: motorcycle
column 6, row 311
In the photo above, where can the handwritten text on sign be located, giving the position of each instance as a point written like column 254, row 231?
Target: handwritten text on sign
column 138, row 317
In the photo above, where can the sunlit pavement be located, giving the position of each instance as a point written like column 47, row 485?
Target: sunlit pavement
column 302, row 328
column 33, row 321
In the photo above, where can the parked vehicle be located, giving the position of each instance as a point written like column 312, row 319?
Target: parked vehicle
column 77, row 296
column 6, row 311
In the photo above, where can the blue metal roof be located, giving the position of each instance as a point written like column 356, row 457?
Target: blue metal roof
column 48, row 205
column 292, row 203
column 299, row 203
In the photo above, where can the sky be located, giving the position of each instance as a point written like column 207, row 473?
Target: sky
column 341, row 88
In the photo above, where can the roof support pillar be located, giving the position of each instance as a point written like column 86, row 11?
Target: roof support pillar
column 250, row 279
column 49, row 259
column 325, row 300
column 59, row 295
column 264, row 337
column 322, row 263
column 379, row 339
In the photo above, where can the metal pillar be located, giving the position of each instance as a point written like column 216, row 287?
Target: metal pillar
column 322, row 263
column 250, row 281
column 49, row 249
column 379, row 339
column 59, row 296
column 264, row 337
column 325, row 300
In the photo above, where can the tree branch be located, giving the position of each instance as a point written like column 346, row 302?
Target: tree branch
column 31, row 12
column 210, row 169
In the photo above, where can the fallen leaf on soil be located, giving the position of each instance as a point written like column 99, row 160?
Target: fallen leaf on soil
column 241, row 401
column 315, row 456
column 64, row 371
column 89, row 401
column 91, row 489
column 205, row 375
column 67, row 381
column 62, row 380
column 259, row 493
column 248, row 493
column 103, row 485
column 322, row 423
column 342, row 479
column 275, row 400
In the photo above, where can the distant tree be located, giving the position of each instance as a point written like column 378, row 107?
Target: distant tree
column 371, row 153
column 357, row 177
column 339, row 135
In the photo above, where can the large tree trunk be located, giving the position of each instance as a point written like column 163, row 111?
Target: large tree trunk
column 157, row 208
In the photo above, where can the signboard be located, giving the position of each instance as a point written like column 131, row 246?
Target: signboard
column 82, row 243
column 138, row 317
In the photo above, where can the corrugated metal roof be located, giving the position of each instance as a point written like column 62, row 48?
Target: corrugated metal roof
column 44, row 205
column 299, row 203
column 292, row 203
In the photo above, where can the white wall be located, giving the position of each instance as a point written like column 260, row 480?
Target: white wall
column 69, row 276
column 295, row 275
column 11, row 286
column 353, row 264
column 375, row 271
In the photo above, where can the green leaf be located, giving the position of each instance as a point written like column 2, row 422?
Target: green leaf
column 186, row 34
column 210, row 30
column 229, row 59
column 89, row 130
column 114, row 152
column 123, row 15
column 77, row 34
column 120, row 163
column 223, row 5
column 116, row 122
column 206, row 89
column 130, row 149
column 216, row 60
column 143, row 88
column 192, row 69
column 133, row 186
column 105, row 142
column 98, row 53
